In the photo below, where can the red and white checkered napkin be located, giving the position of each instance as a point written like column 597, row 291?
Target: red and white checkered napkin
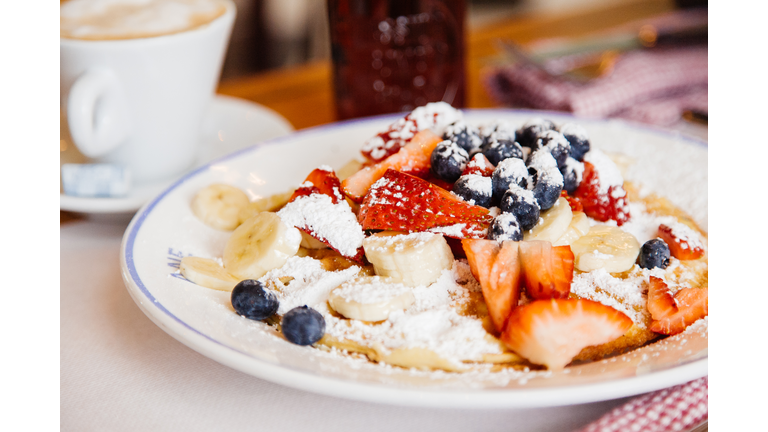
column 652, row 86
column 678, row 408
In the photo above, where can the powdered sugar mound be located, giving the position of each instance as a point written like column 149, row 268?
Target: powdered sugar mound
column 310, row 286
column 643, row 225
column 334, row 223
column 607, row 171
column 621, row 294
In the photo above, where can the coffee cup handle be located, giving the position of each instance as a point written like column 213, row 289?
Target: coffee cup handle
column 97, row 113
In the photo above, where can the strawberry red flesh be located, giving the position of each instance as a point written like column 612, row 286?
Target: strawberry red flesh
column 552, row 332
column 602, row 205
column 480, row 165
column 413, row 158
column 574, row 202
column 322, row 182
column 496, row 265
column 402, row 202
column 673, row 314
column 680, row 248
column 547, row 269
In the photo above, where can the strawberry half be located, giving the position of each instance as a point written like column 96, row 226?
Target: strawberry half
column 574, row 202
column 601, row 205
column 552, row 332
column 671, row 315
column 322, row 182
column 402, row 202
column 547, row 269
column 496, row 265
column 682, row 244
column 413, row 158
column 480, row 165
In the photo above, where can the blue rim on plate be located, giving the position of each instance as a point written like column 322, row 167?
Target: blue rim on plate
column 293, row 377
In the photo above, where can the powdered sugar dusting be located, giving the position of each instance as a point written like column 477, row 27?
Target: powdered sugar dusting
column 607, row 171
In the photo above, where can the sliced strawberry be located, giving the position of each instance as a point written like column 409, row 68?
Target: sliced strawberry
column 322, row 182
column 547, row 270
column 402, row 202
column 496, row 265
column 389, row 142
column 436, row 181
column 480, row 165
column 552, row 332
column 574, row 202
column 456, row 247
column 413, row 158
column 671, row 315
column 682, row 244
column 598, row 204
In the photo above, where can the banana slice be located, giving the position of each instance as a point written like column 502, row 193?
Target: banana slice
column 208, row 273
column 411, row 259
column 606, row 247
column 553, row 223
column 578, row 227
column 309, row 242
column 370, row 298
column 219, row 206
column 271, row 203
column 260, row 244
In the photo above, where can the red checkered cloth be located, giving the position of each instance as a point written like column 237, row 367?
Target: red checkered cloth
column 652, row 86
column 678, row 408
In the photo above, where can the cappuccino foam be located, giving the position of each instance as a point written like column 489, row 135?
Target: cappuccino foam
column 131, row 19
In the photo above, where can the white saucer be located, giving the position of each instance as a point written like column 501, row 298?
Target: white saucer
column 231, row 124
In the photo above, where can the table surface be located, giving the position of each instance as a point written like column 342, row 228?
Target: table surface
column 119, row 371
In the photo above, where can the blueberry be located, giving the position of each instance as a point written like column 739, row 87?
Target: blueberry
column 521, row 203
column 498, row 148
column 654, row 253
column 572, row 172
column 501, row 128
column 303, row 325
column 577, row 137
column 464, row 135
column 556, row 144
column 505, row 227
column 508, row 172
column 251, row 300
column 473, row 187
column 448, row 161
column 541, row 159
column 530, row 131
column 547, row 186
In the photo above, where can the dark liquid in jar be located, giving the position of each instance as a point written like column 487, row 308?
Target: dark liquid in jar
column 395, row 55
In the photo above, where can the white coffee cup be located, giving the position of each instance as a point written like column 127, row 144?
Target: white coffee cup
column 140, row 102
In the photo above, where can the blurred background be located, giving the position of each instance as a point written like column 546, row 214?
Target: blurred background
column 271, row 34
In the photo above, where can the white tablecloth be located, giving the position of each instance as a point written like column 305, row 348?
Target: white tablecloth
column 120, row 372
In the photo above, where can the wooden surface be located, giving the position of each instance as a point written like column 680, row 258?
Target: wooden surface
column 304, row 95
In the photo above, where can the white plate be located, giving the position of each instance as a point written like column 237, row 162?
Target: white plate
column 230, row 124
column 203, row 319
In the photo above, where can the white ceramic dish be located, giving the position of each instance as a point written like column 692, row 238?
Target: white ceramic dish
column 230, row 124
column 203, row 319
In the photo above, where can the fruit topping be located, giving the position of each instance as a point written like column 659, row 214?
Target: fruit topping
column 521, row 203
column 411, row 259
column 505, row 227
column 435, row 116
column 552, row 332
column 572, row 172
column 603, row 200
column 219, row 206
column 546, row 186
column 574, row 202
column 555, row 143
column 303, row 325
column 413, row 158
column 577, row 137
column 552, row 223
column 252, row 300
column 529, row 132
column 496, row 265
column 606, row 247
column 672, row 314
column 260, row 244
column 502, row 128
column 479, row 165
column 508, row 172
column 323, row 181
column 547, row 269
column 402, row 202
column 474, row 189
column 464, row 135
column 654, row 253
column 448, row 160
column 684, row 243
column 370, row 298
column 207, row 272
column 499, row 147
